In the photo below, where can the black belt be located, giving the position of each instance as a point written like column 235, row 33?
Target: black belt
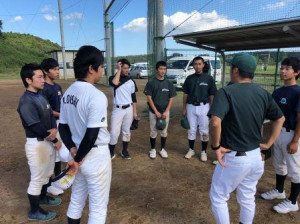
column 198, row 103
column 40, row 139
column 238, row 153
column 123, row 106
column 287, row 129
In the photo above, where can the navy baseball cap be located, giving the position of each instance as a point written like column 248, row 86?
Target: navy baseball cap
column 245, row 62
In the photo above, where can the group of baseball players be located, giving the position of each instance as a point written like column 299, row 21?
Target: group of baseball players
column 231, row 118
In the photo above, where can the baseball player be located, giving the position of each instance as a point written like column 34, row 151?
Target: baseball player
column 160, row 94
column 198, row 94
column 237, row 115
column 286, row 159
column 124, row 107
column 53, row 93
column 41, row 142
column 83, row 129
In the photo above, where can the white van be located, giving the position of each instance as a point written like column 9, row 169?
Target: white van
column 181, row 67
column 139, row 70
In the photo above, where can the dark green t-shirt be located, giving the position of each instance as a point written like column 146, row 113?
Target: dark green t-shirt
column 199, row 87
column 242, row 108
column 160, row 91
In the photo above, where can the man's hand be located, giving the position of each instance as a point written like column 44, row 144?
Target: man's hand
column 73, row 151
column 264, row 146
column 292, row 147
column 157, row 114
column 74, row 167
column 119, row 66
column 220, row 154
column 52, row 134
column 164, row 115
column 135, row 115
column 57, row 145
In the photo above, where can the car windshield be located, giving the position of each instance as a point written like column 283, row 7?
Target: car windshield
column 180, row 64
column 217, row 65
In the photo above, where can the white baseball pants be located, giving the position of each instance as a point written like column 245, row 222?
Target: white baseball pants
column 93, row 180
column 241, row 173
column 284, row 162
column 121, row 118
column 197, row 116
column 41, row 160
column 153, row 130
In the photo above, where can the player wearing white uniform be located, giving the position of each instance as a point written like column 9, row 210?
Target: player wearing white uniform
column 237, row 115
column 199, row 90
column 124, row 107
column 40, row 129
column 83, row 129
column 286, row 155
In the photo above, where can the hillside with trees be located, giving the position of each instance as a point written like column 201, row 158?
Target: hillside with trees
column 17, row 49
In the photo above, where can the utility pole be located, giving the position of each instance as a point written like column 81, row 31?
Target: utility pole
column 62, row 39
column 159, row 31
column 107, row 41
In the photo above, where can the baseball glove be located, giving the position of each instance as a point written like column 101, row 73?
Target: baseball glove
column 135, row 123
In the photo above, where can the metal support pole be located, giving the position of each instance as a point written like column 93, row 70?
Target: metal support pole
column 215, row 69
column 159, row 37
column 62, row 39
column 276, row 68
column 107, row 42
column 112, row 46
column 224, row 68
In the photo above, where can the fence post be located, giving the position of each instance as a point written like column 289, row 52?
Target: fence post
column 276, row 68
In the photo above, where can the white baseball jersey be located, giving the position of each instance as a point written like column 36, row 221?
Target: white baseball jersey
column 88, row 106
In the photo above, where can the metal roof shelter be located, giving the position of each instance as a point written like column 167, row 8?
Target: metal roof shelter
column 275, row 34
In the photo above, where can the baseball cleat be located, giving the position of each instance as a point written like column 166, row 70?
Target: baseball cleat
column 286, row 206
column 114, row 156
column 189, row 154
column 125, row 155
column 163, row 153
column 48, row 200
column 273, row 194
column 152, row 153
column 41, row 215
column 203, row 156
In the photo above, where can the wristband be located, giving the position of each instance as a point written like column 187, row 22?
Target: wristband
column 215, row 148
column 55, row 140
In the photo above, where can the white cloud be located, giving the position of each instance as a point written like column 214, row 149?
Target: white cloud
column 75, row 15
column 199, row 21
column 49, row 17
column 46, row 8
column 16, row 19
column 72, row 24
column 136, row 25
column 275, row 5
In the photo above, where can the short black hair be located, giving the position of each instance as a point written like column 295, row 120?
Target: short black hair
column 160, row 63
column 49, row 63
column 27, row 71
column 198, row 58
column 87, row 56
column 244, row 74
column 206, row 67
column 124, row 61
column 294, row 62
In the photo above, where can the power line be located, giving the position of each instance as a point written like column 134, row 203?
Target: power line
column 207, row 3
column 94, row 41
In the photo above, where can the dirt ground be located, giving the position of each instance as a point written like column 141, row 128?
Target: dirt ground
column 173, row 190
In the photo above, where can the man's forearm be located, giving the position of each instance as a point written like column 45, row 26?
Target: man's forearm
column 215, row 130
column 276, row 129
column 171, row 100
column 297, row 131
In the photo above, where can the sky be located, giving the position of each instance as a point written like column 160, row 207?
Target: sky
column 83, row 20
